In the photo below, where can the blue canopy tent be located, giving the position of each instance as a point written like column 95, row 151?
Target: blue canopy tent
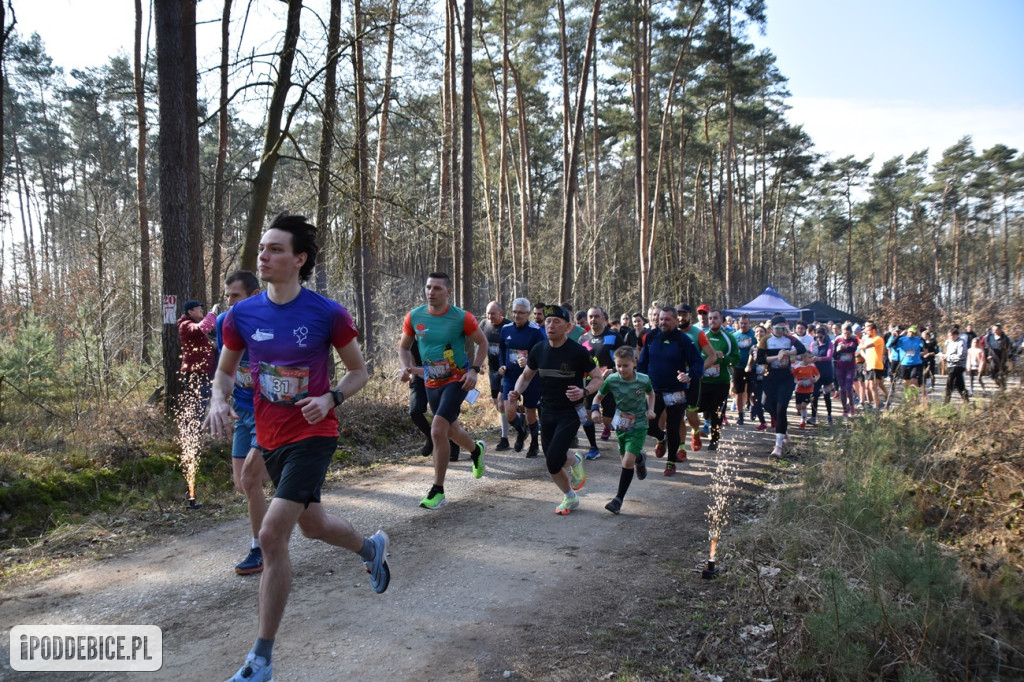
column 769, row 303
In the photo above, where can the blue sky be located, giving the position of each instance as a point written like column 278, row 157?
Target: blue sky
column 893, row 77
column 885, row 77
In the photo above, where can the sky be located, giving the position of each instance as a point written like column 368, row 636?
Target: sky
column 881, row 77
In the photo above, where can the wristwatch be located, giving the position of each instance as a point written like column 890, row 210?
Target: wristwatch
column 338, row 396
column 475, row 368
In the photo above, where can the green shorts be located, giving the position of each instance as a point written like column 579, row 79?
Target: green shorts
column 632, row 440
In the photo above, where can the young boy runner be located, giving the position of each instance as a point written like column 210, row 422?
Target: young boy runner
column 806, row 375
column 634, row 405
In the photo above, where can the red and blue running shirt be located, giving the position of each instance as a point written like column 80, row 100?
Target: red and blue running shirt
column 289, row 356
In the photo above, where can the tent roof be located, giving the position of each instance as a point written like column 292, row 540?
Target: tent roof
column 823, row 312
column 768, row 303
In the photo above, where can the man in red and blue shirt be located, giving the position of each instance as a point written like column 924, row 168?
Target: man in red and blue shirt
column 288, row 331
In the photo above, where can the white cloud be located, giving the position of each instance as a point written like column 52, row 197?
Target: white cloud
column 840, row 127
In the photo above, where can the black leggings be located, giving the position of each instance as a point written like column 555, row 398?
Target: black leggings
column 557, row 432
column 418, row 406
column 818, row 391
column 777, row 394
column 754, row 390
column 955, row 381
column 673, row 420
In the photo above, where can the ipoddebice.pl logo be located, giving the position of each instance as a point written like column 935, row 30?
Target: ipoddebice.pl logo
column 86, row 648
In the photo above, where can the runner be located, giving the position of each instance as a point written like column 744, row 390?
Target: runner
column 703, row 315
column 998, row 347
column 911, row 367
column 775, row 352
column 693, row 391
column 672, row 362
column 954, row 362
column 289, row 331
column 538, row 315
column 823, row 350
column 492, row 331
column 247, row 469
column 802, row 334
column 872, row 349
column 441, row 329
column 601, row 340
column 629, row 335
column 976, row 365
column 929, row 351
column 714, row 390
column 756, row 373
column 634, row 397
column 741, row 374
column 805, row 375
column 846, row 367
column 516, row 341
column 562, row 364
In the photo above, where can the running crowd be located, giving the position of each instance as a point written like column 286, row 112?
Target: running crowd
column 549, row 373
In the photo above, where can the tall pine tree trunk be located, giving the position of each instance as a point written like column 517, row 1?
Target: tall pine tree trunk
column 142, row 191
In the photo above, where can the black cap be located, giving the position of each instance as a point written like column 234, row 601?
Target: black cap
column 556, row 311
column 778, row 319
column 189, row 305
column 684, row 308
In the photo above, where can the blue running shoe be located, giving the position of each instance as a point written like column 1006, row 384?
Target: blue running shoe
column 706, row 429
column 380, row 572
column 252, row 563
column 593, row 453
column 255, row 669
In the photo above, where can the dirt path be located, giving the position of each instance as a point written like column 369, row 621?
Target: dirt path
column 493, row 582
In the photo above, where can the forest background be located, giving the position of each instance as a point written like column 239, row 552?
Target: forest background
column 608, row 153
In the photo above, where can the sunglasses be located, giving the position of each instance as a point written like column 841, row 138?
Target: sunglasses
column 780, row 327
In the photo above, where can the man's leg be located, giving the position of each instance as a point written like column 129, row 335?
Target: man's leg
column 280, row 520
column 253, row 477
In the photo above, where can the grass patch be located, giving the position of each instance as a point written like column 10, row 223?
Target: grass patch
column 895, row 553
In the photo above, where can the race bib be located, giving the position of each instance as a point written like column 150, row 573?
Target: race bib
column 492, row 349
column 781, row 360
column 807, row 382
column 583, row 414
column 910, row 353
column 283, row 385
column 243, row 377
column 712, row 371
column 674, row 398
column 846, row 357
column 759, row 370
column 514, row 355
column 436, row 371
column 745, row 342
column 623, row 421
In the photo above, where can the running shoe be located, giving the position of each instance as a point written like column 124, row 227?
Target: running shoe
column 670, row 468
column 593, row 453
column 773, row 422
column 577, row 477
column 706, row 429
column 830, row 420
column 762, row 427
column 695, row 441
column 725, row 421
column 380, row 572
column 787, row 439
column 659, row 449
column 520, row 433
column 433, row 502
column 607, row 432
column 803, row 425
column 255, row 669
column 478, row 460
column 615, row 506
column 641, row 465
column 846, row 415
column 681, row 454
column 502, row 445
column 713, row 445
column 568, row 504
column 252, row 563
column 739, row 420
column 812, row 421
column 532, row 451
column 776, row 452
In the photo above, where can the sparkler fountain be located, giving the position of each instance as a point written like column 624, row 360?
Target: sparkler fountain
column 189, row 419
column 723, row 480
